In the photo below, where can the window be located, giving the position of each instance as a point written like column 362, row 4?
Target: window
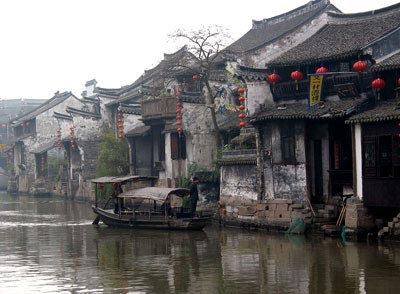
column 381, row 156
column 288, row 143
column 178, row 146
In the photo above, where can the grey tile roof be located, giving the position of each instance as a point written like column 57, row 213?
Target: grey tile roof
column 252, row 74
column 271, row 29
column 141, row 130
column 343, row 36
column 390, row 63
column 55, row 100
column 381, row 111
column 324, row 110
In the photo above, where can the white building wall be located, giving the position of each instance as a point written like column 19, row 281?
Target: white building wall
column 358, row 159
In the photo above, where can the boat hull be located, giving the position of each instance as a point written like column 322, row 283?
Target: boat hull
column 144, row 221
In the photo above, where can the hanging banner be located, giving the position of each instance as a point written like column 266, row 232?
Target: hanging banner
column 315, row 89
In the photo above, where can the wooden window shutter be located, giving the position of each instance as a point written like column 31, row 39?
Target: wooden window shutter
column 174, row 146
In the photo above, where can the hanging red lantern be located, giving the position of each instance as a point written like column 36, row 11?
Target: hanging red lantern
column 178, row 111
column 119, row 120
column 360, row 66
column 274, row 78
column 241, row 107
column 297, row 75
column 4, row 125
column 378, row 84
column 240, row 91
column 28, row 124
column 178, row 104
column 242, row 116
column 119, row 114
column 120, row 136
column 179, row 130
column 322, row 70
column 23, row 125
column 196, row 77
column 242, row 99
column 101, row 187
column 178, row 117
column 178, row 123
column 242, row 124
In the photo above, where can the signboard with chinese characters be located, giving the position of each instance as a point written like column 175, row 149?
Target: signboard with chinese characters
column 315, row 89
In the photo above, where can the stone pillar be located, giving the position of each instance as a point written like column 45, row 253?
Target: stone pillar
column 357, row 216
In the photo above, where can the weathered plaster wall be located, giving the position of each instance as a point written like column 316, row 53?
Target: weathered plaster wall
column 257, row 93
column 238, row 184
column 286, row 181
column 265, row 54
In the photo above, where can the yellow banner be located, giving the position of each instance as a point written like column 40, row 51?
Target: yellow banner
column 3, row 147
column 315, row 89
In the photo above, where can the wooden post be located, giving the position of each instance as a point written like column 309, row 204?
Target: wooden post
column 260, row 166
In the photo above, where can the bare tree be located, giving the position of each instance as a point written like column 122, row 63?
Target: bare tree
column 205, row 44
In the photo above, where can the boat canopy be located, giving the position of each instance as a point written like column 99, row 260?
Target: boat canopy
column 154, row 193
column 123, row 179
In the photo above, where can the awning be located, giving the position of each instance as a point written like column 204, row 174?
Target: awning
column 154, row 193
column 123, row 179
column 44, row 148
column 138, row 131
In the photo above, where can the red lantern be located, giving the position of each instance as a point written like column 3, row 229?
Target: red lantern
column 196, row 77
column 360, row 66
column 101, row 187
column 3, row 125
column 120, row 114
column 378, row 84
column 178, row 111
column 22, row 125
column 242, row 116
column 297, row 75
column 179, row 130
column 241, row 107
column 322, row 70
column 120, row 126
column 274, row 78
column 120, row 136
column 178, row 123
column 120, row 120
column 178, row 117
column 28, row 124
column 242, row 124
column 121, row 131
column 240, row 91
column 178, row 104
column 242, row 99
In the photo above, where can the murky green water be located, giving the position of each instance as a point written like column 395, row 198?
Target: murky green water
column 50, row 246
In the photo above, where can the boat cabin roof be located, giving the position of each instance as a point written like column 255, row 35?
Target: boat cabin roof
column 123, row 179
column 154, row 193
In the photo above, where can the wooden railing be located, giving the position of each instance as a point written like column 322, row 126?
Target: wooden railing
column 300, row 90
column 158, row 108
column 239, row 153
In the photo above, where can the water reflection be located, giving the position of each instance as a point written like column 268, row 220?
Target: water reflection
column 50, row 246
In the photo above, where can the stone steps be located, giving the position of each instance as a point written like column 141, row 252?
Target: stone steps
column 392, row 228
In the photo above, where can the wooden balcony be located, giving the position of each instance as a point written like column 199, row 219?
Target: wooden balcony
column 333, row 85
column 157, row 110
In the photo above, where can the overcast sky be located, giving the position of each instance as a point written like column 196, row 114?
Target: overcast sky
column 58, row 45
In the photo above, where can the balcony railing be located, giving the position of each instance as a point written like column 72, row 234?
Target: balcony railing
column 300, row 90
column 159, row 108
column 243, row 153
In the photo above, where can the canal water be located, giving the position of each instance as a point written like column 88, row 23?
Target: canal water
column 49, row 245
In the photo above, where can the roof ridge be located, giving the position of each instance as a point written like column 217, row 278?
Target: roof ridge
column 365, row 14
column 312, row 5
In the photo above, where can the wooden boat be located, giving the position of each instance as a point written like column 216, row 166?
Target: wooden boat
column 151, row 208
